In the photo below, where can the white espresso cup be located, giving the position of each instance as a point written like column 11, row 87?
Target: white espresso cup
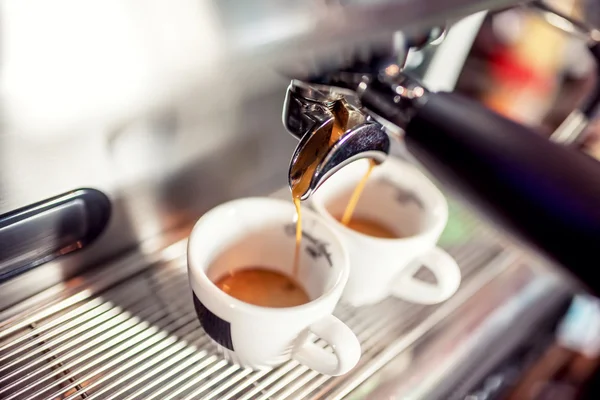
column 400, row 198
column 260, row 232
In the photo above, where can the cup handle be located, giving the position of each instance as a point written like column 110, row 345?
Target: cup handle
column 345, row 345
column 444, row 268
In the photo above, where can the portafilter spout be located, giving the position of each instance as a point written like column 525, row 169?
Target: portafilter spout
column 332, row 132
column 322, row 114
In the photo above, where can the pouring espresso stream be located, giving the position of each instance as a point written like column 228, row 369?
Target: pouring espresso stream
column 346, row 219
column 314, row 157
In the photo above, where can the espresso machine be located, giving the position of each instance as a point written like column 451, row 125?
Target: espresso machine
column 96, row 203
column 509, row 171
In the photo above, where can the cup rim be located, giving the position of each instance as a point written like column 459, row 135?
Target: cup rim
column 320, row 208
column 198, row 274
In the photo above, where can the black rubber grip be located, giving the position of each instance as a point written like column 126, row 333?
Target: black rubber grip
column 547, row 194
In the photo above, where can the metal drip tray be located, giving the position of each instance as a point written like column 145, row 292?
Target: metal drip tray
column 129, row 331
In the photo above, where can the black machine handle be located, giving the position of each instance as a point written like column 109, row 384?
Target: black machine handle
column 546, row 194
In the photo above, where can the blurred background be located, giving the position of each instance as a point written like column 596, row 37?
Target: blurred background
column 168, row 108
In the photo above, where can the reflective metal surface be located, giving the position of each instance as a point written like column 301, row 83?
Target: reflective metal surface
column 38, row 234
column 160, row 175
column 167, row 132
column 565, row 23
column 129, row 331
column 146, row 111
column 461, row 351
column 332, row 132
column 571, row 129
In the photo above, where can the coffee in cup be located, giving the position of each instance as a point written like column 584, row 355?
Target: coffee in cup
column 263, row 287
column 371, row 228
column 254, row 302
column 392, row 232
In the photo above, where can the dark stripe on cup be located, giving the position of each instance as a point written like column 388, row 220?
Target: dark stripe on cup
column 219, row 330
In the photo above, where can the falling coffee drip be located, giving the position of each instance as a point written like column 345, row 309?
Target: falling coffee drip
column 356, row 193
column 304, row 169
column 298, row 237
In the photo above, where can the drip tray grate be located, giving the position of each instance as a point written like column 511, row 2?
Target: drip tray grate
column 139, row 339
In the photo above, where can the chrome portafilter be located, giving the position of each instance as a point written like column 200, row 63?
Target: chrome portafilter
column 332, row 134
column 324, row 113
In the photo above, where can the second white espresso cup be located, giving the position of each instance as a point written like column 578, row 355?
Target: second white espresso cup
column 400, row 198
column 260, row 232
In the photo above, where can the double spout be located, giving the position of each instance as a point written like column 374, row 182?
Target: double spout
column 332, row 133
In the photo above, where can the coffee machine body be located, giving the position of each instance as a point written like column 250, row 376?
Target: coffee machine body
column 150, row 120
column 124, row 123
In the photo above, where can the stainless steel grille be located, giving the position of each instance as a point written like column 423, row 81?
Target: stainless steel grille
column 139, row 338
